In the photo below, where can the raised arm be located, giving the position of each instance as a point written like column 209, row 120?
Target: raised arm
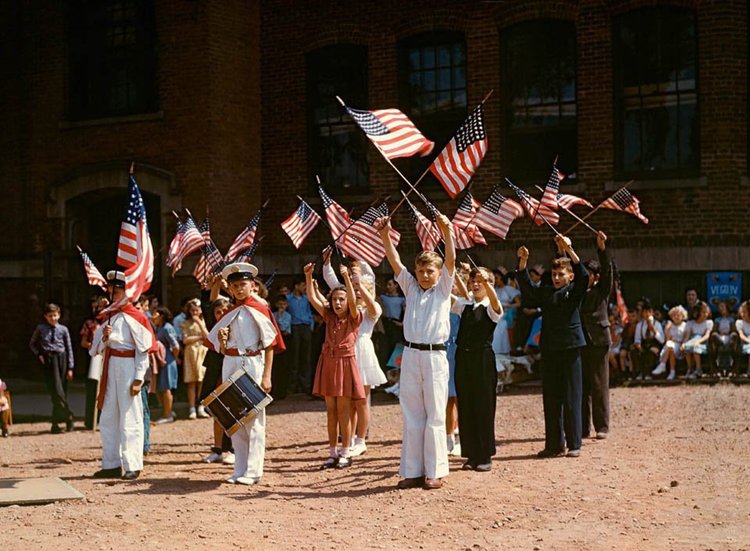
column 533, row 295
column 491, row 294
column 383, row 226
column 312, row 296
column 351, row 297
column 450, row 246
column 369, row 300
column 463, row 291
column 329, row 275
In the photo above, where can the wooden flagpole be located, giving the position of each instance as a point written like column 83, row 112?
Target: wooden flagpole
column 539, row 204
column 596, row 208
column 574, row 215
column 421, row 222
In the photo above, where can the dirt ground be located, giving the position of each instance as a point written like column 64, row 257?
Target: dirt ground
column 673, row 475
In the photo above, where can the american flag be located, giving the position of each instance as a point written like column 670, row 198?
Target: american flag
column 270, row 279
column 465, row 229
column 93, row 275
column 552, row 189
column 363, row 240
column 537, row 211
column 176, row 243
column 190, row 241
column 135, row 246
column 497, row 213
column 392, row 132
column 248, row 254
column 427, row 230
column 624, row 201
column 299, row 225
column 461, row 158
column 245, row 238
column 210, row 260
column 566, row 200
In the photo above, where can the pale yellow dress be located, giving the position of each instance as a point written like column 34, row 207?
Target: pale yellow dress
column 194, row 354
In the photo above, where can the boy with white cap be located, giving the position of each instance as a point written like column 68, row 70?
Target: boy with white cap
column 246, row 337
column 125, row 338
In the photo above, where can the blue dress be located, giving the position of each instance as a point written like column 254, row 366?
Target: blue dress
column 167, row 374
column 455, row 320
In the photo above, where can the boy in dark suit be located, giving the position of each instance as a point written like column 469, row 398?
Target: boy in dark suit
column 595, row 318
column 561, row 341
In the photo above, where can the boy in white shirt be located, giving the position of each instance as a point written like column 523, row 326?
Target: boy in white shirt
column 424, row 368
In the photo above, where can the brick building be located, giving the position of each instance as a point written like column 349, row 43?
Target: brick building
column 225, row 103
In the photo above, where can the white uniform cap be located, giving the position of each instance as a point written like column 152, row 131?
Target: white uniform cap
column 239, row 270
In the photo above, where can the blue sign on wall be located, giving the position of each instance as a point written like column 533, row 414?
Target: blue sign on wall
column 723, row 286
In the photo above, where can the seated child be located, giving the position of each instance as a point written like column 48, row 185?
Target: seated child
column 724, row 338
column 675, row 335
column 696, row 340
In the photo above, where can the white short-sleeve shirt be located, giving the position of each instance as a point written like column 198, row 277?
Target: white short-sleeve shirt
column 427, row 312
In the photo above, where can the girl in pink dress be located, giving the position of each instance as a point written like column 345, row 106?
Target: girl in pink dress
column 337, row 378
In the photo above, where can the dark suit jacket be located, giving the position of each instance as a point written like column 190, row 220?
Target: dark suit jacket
column 594, row 309
column 561, row 321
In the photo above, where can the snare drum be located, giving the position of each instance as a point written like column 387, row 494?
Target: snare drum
column 236, row 402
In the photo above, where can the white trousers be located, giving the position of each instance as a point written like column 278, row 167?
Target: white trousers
column 423, row 395
column 121, row 423
column 250, row 441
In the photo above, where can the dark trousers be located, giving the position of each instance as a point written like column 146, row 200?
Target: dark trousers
column 476, row 381
column 92, row 385
column 146, row 418
column 55, row 367
column 645, row 359
column 300, row 367
column 280, row 376
column 561, row 395
column 595, row 361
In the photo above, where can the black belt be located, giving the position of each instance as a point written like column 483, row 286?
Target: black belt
column 418, row 346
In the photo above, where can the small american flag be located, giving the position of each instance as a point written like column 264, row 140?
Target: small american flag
column 392, row 132
column 566, row 201
column 135, row 245
column 461, row 158
column 93, row 275
column 191, row 241
column 299, row 225
column 270, row 279
column 497, row 213
column 211, row 260
column 176, row 243
column 363, row 240
column 249, row 253
column 245, row 238
column 552, row 189
column 536, row 210
column 465, row 229
column 624, row 201
column 427, row 231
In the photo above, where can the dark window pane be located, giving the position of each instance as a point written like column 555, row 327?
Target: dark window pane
column 337, row 147
column 540, row 98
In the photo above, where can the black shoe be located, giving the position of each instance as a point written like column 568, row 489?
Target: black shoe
column 545, row 453
column 484, row 467
column 69, row 425
column 131, row 475
column 108, row 473
column 55, row 429
column 468, row 466
column 330, row 463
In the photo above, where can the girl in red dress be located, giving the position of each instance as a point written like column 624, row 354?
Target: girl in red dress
column 337, row 377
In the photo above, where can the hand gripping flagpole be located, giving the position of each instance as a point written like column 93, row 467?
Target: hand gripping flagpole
column 596, row 208
column 427, row 229
column 573, row 214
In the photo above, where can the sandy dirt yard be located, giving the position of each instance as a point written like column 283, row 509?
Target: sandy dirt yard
column 674, row 474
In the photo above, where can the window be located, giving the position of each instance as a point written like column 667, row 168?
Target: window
column 112, row 65
column 337, row 148
column 432, row 90
column 656, row 95
column 539, row 80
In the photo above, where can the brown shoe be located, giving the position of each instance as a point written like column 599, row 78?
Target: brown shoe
column 409, row 483
column 432, row 484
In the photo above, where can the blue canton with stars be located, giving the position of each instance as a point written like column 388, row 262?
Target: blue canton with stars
column 136, row 208
column 472, row 130
column 368, row 122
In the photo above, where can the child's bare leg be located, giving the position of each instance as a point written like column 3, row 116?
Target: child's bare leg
column 671, row 359
column 343, row 414
column 218, row 434
column 361, row 414
column 190, row 387
column 332, row 422
column 451, row 415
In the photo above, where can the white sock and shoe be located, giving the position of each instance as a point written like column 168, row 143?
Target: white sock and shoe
column 672, row 375
column 202, row 412
column 660, row 369
column 359, row 447
column 192, row 414
column 228, row 458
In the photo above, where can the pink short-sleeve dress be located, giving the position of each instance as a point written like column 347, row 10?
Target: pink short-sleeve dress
column 337, row 373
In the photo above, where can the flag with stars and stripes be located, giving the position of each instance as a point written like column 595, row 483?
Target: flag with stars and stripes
column 211, row 260
column 93, row 275
column 363, row 240
column 392, row 132
column 249, row 253
column 465, row 229
column 427, row 230
column 538, row 212
column 565, row 200
column 461, row 158
column 299, row 225
column 245, row 239
column 134, row 251
column 176, row 243
column 625, row 201
column 191, row 240
column 552, row 189
column 497, row 213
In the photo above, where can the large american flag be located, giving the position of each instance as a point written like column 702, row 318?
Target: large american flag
column 245, row 239
column 93, row 275
column 624, row 201
column 427, row 230
column 135, row 248
column 537, row 211
column 364, row 241
column 497, row 213
column 465, row 229
column 190, row 241
column 461, row 158
column 392, row 132
column 565, row 200
column 552, row 189
column 299, row 225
